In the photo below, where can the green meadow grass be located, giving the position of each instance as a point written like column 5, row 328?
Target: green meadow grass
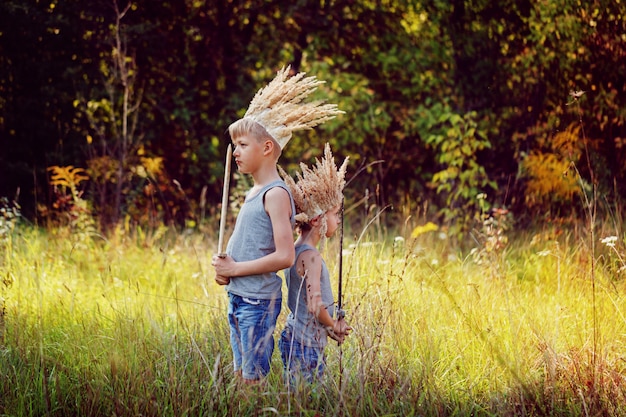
column 135, row 325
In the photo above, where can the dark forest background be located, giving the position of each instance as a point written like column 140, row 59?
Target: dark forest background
column 119, row 109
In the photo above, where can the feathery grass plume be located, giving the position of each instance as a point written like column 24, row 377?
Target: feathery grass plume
column 319, row 188
column 280, row 107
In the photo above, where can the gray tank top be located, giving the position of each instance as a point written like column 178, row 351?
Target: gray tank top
column 253, row 238
column 303, row 325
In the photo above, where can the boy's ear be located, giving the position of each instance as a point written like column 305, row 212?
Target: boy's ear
column 268, row 147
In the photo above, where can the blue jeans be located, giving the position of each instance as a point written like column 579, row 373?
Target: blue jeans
column 300, row 361
column 252, row 323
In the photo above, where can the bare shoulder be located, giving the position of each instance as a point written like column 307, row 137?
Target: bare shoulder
column 308, row 260
column 277, row 193
column 277, row 198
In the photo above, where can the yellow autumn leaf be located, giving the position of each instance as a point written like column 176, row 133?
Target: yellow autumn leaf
column 428, row 227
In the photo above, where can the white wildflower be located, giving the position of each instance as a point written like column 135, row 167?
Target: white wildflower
column 609, row 241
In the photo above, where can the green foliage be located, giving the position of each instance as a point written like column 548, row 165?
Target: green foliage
column 457, row 141
column 506, row 66
column 571, row 47
column 113, row 118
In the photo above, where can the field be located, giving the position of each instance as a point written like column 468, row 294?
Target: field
column 526, row 325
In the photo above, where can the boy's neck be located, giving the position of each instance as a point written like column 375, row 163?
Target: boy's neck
column 310, row 237
column 263, row 177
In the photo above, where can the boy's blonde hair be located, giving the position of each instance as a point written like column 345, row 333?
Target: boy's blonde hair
column 243, row 127
column 248, row 127
column 319, row 188
column 280, row 107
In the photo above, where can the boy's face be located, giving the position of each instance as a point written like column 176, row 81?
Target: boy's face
column 333, row 220
column 247, row 154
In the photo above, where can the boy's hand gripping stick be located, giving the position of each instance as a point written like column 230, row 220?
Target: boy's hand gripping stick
column 220, row 243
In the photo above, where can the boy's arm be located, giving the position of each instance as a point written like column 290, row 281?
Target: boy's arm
column 311, row 264
column 278, row 207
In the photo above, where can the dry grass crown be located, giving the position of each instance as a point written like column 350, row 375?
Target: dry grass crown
column 319, row 188
column 280, row 107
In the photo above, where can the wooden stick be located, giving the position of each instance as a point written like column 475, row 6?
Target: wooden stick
column 220, row 243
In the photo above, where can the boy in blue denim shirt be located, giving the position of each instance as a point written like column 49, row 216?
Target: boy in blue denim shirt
column 262, row 241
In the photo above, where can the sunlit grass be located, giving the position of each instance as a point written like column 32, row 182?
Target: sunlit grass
column 132, row 326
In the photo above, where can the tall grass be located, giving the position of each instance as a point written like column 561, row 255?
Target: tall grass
column 136, row 326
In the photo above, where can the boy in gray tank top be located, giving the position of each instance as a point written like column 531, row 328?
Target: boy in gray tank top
column 318, row 196
column 262, row 240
